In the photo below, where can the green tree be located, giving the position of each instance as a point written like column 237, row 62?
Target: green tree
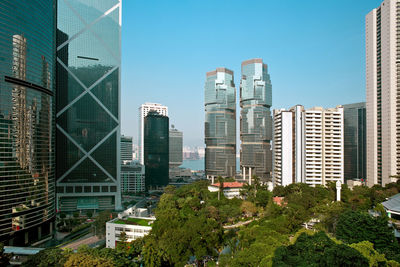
column 89, row 214
column 375, row 258
column 48, row 257
column 355, row 226
column 317, row 250
column 99, row 224
column 183, row 229
column 248, row 208
column 87, row 260
column 220, row 187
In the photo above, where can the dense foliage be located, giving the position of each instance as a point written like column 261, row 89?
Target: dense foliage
column 356, row 226
column 196, row 226
column 318, row 250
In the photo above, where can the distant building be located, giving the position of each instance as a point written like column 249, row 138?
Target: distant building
column 156, row 150
column 280, row 201
column 133, row 227
column 144, row 109
column 132, row 178
column 383, row 93
column 179, row 174
column 201, row 151
column 308, row 145
column 255, row 120
column 355, row 152
column 126, row 148
column 175, row 147
column 230, row 189
column 220, row 123
column 190, row 153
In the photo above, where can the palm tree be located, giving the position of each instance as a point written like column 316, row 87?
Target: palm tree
column 221, row 186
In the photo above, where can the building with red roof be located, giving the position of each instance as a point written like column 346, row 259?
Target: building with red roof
column 231, row 189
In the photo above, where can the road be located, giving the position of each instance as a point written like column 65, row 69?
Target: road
column 86, row 240
column 236, row 225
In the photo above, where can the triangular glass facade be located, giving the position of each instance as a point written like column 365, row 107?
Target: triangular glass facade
column 88, row 119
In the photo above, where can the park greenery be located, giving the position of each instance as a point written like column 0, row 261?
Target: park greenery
column 195, row 226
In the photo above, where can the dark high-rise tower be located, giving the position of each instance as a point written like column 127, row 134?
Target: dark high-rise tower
column 355, row 146
column 27, row 120
column 88, row 110
column 220, row 123
column 255, row 119
column 156, row 150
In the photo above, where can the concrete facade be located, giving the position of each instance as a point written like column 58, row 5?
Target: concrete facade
column 308, row 146
column 383, row 99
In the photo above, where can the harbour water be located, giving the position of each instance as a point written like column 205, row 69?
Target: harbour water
column 198, row 164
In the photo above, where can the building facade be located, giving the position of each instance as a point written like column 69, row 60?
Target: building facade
column 175, row 147
column 156, row 150
column 382, row 93
column 308, row 146
column 288, row 146
column 220, row 123
column 355, row 137
column 144, row 109
column 255, row 120
column 133, row 227
column 88, row 105
column 230, row 189
column 27, row 121
column 126, row 148
column 132, row 178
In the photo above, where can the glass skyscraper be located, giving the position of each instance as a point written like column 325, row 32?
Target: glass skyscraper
column 175, row 147
column 255, row 120
column 88, row 104
column 156, row 150
column 27, row 120
column 126, row 148
column 220, row 123
column 355, row 141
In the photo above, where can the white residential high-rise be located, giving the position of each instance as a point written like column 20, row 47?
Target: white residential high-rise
column 143, row 110
column 383, row 94
column 308, row 145
column 288, row 146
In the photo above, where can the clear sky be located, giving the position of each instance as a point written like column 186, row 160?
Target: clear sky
column 314, row 49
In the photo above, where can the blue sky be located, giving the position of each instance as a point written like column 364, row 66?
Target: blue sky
column 315, row 50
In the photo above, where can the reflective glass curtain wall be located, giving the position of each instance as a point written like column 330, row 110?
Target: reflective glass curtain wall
column 355, row 141
column 220, row 123
column 27, row 160
column 88, row 110
column 255, row 119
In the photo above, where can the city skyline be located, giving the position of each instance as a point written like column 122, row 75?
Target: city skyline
column 308, row 49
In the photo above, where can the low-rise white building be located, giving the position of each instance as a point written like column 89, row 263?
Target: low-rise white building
column 134, row 227
column 231, row 189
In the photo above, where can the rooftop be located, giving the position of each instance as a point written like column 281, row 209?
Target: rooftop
column 135, row 221
column 393, row 203
column 229, row 185
column 22, row 250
